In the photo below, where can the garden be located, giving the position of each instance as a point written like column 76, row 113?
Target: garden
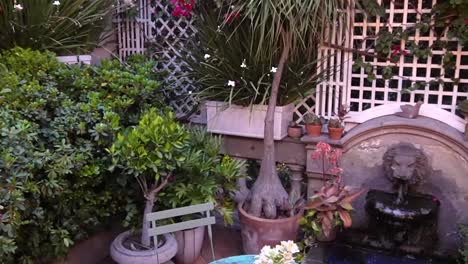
column 226, row 131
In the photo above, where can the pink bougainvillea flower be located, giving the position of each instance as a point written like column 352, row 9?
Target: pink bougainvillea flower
column 182, row 8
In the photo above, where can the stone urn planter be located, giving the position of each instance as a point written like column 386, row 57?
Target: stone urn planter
column 258, row 232
column 189, row 244
column 122, row 253
column 246, row 121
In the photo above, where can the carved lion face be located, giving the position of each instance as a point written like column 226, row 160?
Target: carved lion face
column 405, row 163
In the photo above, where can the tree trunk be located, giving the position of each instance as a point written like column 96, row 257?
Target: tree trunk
column 268, row 193
column 145, row 240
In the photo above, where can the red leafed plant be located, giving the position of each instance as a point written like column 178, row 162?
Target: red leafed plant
column 331, row 206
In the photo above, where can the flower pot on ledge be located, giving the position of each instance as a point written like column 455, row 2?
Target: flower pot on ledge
column 335, row 133
column 314, row 130
column 246, row 121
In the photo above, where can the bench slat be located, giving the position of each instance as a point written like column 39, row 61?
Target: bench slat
column 181, row 226
column 198, row 208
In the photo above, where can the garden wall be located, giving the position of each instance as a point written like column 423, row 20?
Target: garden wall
column 365, row 146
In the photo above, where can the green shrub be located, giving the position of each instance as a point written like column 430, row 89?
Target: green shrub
column 73, row 26
column 56, row 122
column 205, row 176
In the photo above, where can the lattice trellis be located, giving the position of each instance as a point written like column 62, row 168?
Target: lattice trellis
column 365, row 94
column 352, row 30
column 155, row 28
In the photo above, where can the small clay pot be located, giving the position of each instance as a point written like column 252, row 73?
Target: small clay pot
column 314, row 130
column 335, row 133
column 295, row 131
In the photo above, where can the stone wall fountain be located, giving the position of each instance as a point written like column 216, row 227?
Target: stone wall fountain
column 404, row 220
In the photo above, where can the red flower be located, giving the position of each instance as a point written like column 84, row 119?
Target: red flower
column 466, row 21
column 232, row 16
column 182, row 7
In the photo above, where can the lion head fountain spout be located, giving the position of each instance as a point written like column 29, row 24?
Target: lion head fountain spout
column 405, row 220
column 405, row 166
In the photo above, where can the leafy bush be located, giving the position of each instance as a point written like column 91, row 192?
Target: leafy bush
column 150, row 152
column 56, row 122
column 69, row 26
column 205, row 176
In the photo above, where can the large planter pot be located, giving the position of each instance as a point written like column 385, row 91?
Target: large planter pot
column 314, row 130
column 258, row 232
column 189, row 244
column 123, row 255
column 246, row 121
column 335, row 133
column 75, row 59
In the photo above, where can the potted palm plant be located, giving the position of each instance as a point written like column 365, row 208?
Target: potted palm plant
column 234, row 82
column 284, row 32
column 149, row 153
column 205, row 176
column 313, row 124
column 331, row 206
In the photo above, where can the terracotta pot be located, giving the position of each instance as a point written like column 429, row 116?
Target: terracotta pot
column 314, row 130
column 189, row 244
column 295, row 132
column 258, row 232
column 335, row 133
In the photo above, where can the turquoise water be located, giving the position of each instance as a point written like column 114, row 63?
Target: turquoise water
column 244, row 259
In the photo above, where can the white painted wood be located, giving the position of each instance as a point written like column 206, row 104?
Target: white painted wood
column 426, row 110
column 246, row 121
column 75, row 59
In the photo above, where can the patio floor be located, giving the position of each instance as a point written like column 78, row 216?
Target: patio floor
column 226, row 241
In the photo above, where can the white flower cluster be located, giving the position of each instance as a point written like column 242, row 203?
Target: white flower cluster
column 281, row 254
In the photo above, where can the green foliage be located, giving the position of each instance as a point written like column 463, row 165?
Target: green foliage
column 205, row 176
column 74, row 26
column 445, row 17
column 224, row 53
column 55, row 123
column 152, row 149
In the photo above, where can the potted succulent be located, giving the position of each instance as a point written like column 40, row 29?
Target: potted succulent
column 331, row 206
column 148, row 152
column 313, row 124
column 335, row 128
column 205, row 176
column 294, row 130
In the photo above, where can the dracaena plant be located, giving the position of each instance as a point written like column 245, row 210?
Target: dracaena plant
column 331, row 206
column 61, row 26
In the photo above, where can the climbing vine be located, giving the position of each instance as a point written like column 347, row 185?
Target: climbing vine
column 448, row 20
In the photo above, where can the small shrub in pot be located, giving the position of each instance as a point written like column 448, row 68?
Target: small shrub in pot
column 313, row 124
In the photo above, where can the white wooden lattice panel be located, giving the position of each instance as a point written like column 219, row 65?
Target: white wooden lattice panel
column 334, row 63
column 365, row 94
column 171, row 34
column 133, row 32
column 155, row 28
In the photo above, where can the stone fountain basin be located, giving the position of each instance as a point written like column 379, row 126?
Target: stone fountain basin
column 416, row 207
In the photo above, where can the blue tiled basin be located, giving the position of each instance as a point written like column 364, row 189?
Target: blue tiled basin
column 243, row 259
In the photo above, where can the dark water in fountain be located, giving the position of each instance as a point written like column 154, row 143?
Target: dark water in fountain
column 340, row 254
column 409, row 227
